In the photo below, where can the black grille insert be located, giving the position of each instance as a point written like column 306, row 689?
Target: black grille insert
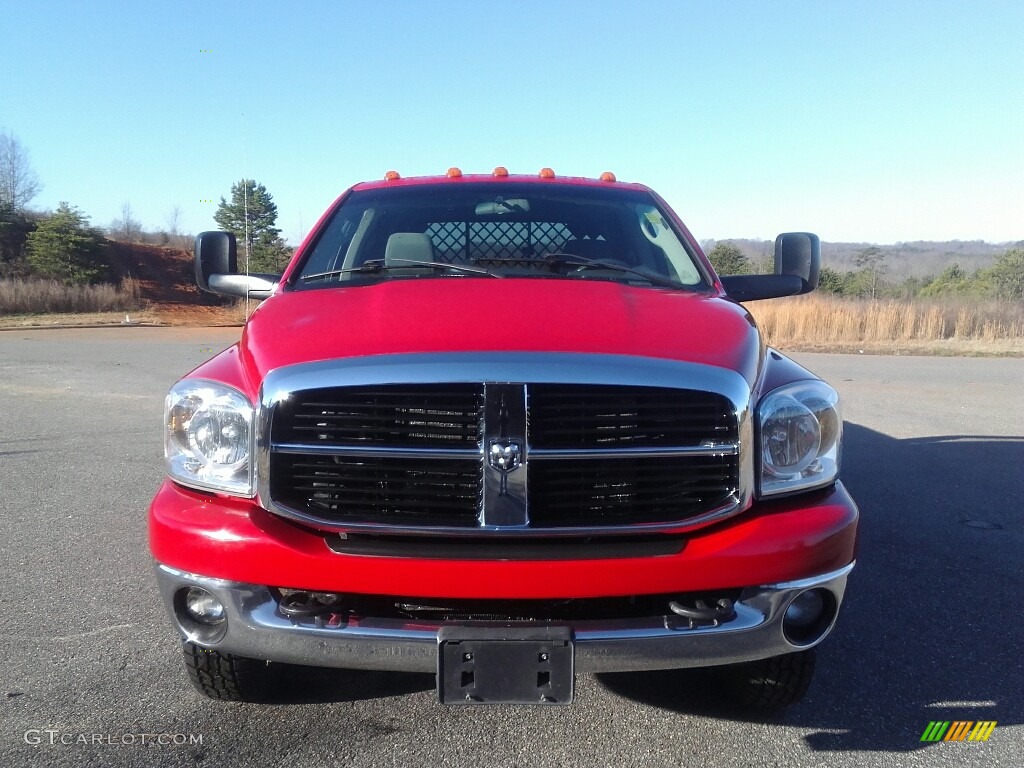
column 380, row 490
column 399, row 416
column 581, row 417
column 602, row 492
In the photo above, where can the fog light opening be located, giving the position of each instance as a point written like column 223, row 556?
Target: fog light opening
column 809, row 617
column 203, row 607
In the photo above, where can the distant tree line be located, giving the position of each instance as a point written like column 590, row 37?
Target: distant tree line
column 1004, row 279
column 63, row 245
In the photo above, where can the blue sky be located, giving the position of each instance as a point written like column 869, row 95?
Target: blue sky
column 862, row 121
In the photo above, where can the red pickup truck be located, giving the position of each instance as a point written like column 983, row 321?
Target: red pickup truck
column 503, row 429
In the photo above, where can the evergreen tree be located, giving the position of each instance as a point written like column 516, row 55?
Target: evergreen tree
column 830, row 281
column 1007, row 274
column 64, row 247
column 249, row 200
column 15, row 227
column 954, row 281
column 728, row 259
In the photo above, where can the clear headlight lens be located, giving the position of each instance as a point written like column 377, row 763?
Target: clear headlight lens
column 801, row 431
column 208, row 434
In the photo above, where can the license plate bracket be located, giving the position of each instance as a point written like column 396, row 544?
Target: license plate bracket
column 505, row 665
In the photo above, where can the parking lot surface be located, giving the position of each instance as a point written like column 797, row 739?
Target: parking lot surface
column 92, row 675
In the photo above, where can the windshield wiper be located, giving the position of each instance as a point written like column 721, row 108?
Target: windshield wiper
column 377, row 265
column 568, row 260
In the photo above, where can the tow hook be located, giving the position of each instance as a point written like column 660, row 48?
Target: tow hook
column 700, row 614
column 301, row 604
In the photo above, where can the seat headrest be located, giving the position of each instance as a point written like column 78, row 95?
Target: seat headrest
column 409, row 246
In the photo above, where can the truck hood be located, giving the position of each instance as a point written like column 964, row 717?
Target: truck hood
column 487, row 315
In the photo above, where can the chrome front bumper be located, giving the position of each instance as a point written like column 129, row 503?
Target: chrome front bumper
column 255, row 628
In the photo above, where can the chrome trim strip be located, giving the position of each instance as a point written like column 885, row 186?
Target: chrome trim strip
column 358, row 451
column 813, row 581
column 255, row 629
column 508, row 368
column 732, row 449
column 520, row 531
column 365, row 452
column 504, row 367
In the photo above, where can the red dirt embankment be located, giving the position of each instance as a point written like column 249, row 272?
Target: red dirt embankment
column 167, row 284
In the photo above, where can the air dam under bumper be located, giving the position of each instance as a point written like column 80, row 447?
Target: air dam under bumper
column 254, row 628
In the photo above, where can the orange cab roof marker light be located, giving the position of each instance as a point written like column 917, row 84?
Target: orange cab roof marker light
column 607, row 176
column 501, row 171
column 546, row 173
column 454, row 173
column 391, row 176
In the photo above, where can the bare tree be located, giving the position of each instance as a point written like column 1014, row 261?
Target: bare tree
column 127, row 226
column 764, row 262
column 173, row 235
column 871, row 262
column 173, row 220
column 18, row 182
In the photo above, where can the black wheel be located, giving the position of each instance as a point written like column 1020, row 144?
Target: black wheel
column 225, row 676
column 772, row 683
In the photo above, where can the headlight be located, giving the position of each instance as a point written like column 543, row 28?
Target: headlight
column 800, row 431
column 208, row 435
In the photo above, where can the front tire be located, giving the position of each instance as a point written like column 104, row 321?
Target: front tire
column 772, row 684
column 225, row 676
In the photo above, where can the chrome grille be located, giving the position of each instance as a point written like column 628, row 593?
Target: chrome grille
column 410, row 457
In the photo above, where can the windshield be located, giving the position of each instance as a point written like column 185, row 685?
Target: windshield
column 499, row 230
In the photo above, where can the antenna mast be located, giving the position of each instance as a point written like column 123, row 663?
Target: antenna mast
column 245, row 212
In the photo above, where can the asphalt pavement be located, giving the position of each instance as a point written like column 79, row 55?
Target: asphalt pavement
column 92, row 675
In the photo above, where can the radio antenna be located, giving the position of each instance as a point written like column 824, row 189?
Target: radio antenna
column 245, row 213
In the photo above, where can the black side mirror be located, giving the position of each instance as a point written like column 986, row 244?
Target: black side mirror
column 216, row 254
column 797, row 265
column 799, row 254
column 217, row 267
